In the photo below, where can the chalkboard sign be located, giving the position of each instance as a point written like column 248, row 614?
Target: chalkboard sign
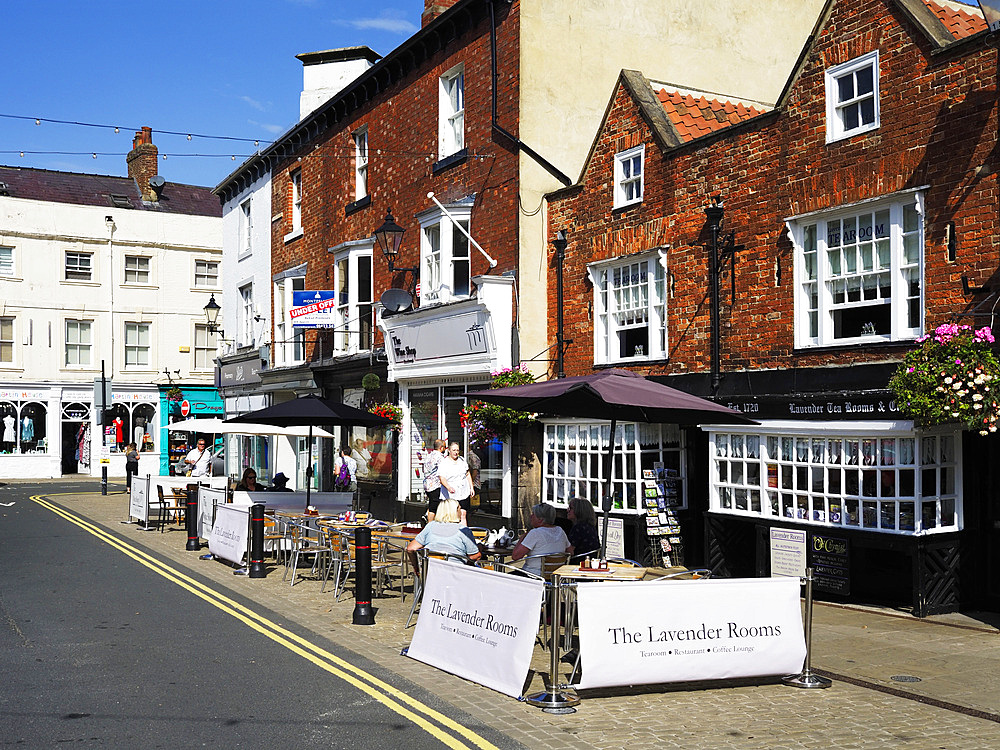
column 830, row 560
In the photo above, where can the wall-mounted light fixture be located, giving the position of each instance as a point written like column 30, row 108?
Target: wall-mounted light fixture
column 389, row 237
column 212, row 310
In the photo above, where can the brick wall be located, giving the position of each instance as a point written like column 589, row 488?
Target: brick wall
column 402, row 127
column 938, row 124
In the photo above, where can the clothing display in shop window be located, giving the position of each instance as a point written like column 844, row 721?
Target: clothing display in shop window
column 27, row 429
column 8, row 429
column 81, row 435
column 118, row 425
column 85, row 446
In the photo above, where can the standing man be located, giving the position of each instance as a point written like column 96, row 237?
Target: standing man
column 199, row 459
column 432, row 480
column 456, row 479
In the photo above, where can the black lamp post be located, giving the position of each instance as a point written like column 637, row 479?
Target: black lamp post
column 723, row 250
column 212, row 314
column 560, row 244
column 388, row 237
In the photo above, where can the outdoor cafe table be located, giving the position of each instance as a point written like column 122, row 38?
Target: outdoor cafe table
column 614, row 572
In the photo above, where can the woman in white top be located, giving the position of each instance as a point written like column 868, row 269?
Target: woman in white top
column 544, row 538
column 456, row 481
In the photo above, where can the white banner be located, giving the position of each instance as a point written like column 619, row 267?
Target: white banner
column 230, row 532
column 675, row 631
column 208, row 498
column 478, row 624
column 138, row 501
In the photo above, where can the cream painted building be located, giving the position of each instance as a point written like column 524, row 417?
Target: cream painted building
column 100, row 271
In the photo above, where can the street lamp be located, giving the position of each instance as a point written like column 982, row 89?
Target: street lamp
column 212, row 314
column 388, row 237
column 723, row 250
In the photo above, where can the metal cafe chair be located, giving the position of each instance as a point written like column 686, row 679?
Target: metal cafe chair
column 549, row 564
column 304, row 540
column 419, row 577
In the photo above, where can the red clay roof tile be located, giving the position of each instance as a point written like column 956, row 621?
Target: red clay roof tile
column 959, row 22
column 694, row 117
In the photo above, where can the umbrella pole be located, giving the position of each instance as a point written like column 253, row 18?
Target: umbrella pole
column 609, row 495
column 309, row 465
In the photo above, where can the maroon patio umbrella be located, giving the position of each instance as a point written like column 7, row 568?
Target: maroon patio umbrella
column 311, row 411
column 617, row 395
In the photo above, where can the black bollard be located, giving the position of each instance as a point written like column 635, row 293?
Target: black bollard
column 257, row 541
column 363, row 612
column 191, row 519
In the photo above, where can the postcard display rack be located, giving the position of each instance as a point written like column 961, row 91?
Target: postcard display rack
column 661, row 495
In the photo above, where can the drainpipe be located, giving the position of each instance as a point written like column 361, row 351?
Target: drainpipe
column 560, row 245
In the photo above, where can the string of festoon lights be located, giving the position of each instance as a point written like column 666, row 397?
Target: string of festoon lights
column 328, row 153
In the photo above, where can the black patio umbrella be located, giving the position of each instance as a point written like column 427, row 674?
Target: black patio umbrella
column 311, row 411
column 617, row 395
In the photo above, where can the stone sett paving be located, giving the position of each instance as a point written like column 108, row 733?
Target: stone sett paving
column 864, row 644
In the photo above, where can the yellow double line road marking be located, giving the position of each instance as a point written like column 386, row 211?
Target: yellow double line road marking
column 440, row 726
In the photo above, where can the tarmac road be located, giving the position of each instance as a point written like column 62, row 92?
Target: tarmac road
column 103, row 644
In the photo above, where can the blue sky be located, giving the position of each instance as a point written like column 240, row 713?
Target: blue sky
column 191, row 66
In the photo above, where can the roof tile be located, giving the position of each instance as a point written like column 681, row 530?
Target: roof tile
column 694, row 117
column 959, row 22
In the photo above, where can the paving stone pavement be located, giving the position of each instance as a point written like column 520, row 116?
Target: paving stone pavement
column 956, row 658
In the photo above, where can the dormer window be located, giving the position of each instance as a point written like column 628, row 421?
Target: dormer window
column 852, row 98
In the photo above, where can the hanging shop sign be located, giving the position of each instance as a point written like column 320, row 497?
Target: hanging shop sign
column 313, row 309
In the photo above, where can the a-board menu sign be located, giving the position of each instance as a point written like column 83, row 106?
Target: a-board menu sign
column 829, row 557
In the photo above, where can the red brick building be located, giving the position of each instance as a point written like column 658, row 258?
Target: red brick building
column 847, row 220
column 490, row 106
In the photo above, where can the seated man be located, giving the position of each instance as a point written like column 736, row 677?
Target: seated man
column 279, row 483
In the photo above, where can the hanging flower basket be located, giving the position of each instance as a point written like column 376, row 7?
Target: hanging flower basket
column 485, row 423
column 175, row 394
column 952, row 377
column 389, row 411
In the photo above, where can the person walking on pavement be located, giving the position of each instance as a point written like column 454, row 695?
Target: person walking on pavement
column 199, row 459
column 432, row 480
column 456, row 479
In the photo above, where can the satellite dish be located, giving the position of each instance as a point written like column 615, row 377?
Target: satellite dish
column 396, row 300
column 156, row 182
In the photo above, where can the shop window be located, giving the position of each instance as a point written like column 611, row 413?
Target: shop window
column 451, row 112
column 629, row 309
column 23, row 427
column 892, row 481
column 859, row 274
column 852, row 97
column 444, row 255
column 435, row 413
column 573, row 462
column 352, row 279
column 629, row 176
column 79, row 266
column 127, row 423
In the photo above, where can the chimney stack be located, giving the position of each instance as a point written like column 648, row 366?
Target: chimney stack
column 141, row 161
column 433, row 9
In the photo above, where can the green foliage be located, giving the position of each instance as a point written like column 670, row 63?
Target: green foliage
column 485, row 422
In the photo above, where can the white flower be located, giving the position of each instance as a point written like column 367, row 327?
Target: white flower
column 948, row 379
column 977, row 397
column 977, row 406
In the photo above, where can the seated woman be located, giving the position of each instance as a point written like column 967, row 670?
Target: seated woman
column 249, row 481
column 544, row 538
column 445, row 534
column 583, row 538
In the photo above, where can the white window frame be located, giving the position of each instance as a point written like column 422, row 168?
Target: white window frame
column 247, row 311
column 825, row 279
column 140, row 270
column 360, row 163
column 354, row 330
column 73, row 264
column 206, row 274
column 8, row 341
column 138, row 341
column 837, row 108
column 629, row 182
column 295, row 186
column 871, row 476
column 289, row 342
column 76, row 344
column 206, row 344
column 618, row 308
column 451, row 112
column 573, row 461
column 8, row 261
column 245, row 229
column 445, row 255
